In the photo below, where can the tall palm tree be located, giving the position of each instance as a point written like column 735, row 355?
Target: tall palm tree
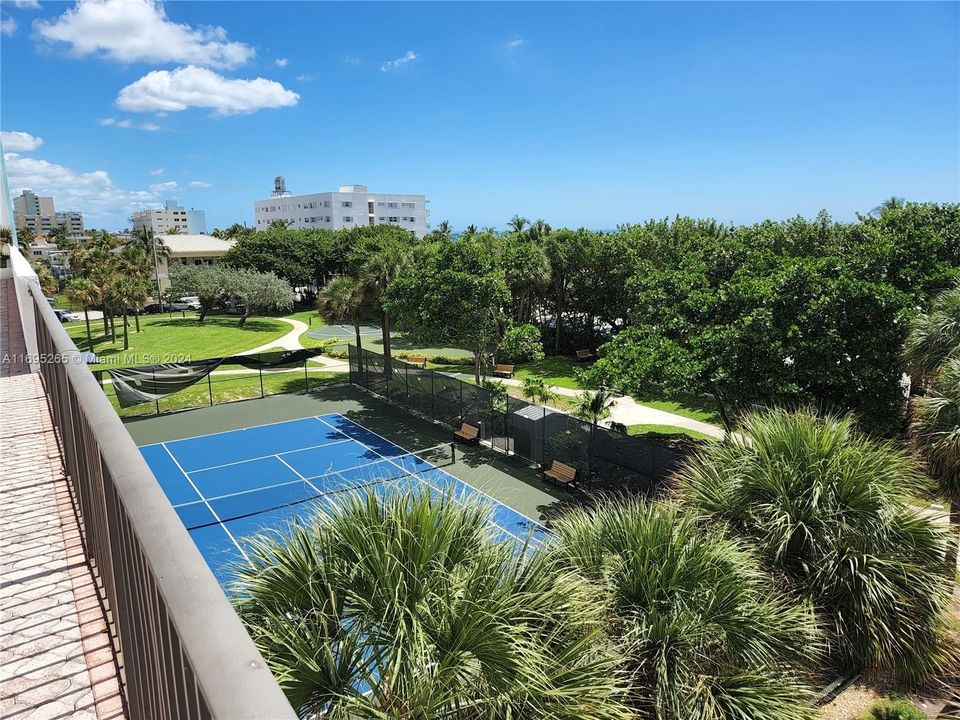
column 936, row 432
column 342, row 299
column 81, row 291
column 155, row 249
column 935, row 335
column 891, row 203
column 133, row 262
column 377, row 273
column 517, row 223
column 831, row 510
column 704, row 634
column 536, row 390
column 404, row 606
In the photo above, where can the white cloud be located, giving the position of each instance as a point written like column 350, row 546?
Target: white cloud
column 150, row 127
column 127, row 123
column 27, row 4
column 304, row 78
column 186, row 87
column 200, row 184
column 165, row 187
column 107, row 121
column 19, row 141
column 351, row 60
column 124, row 123
column 129, row 31
column 93, row 193
column 8, row 26
column 281, row 62
column 408, row 57
column 155, row 173
column 512, row 45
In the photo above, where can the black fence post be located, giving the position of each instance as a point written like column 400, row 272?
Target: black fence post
column 210, row 386
column 306, row 379
column 260, row 371
column 406, row 380
column 157, row 400
column 433, row 398
column 461, row 401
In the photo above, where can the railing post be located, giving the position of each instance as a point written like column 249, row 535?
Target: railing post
column 306, row 379
column 156, row 402
column 433, row 397
column 210, row 387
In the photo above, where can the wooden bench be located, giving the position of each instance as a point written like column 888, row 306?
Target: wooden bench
column 561, row 473
column 583, row 355
column 467, row 434
column 418, row 360
column 503, row 371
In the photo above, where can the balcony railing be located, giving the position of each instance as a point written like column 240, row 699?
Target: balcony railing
column 183, row 651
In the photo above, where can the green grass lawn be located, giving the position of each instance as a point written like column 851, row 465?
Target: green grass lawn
column 557, row 370
column 229, row 388
column 170, row 339
column 695, row 407
column 666, row 430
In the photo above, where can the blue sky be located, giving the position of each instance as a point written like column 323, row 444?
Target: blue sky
column 580, row 114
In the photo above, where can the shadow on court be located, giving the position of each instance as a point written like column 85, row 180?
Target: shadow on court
column 507, row 479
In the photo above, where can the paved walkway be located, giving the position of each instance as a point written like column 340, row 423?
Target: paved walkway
column 56, row 657
column 290, row 341
column 628, row 411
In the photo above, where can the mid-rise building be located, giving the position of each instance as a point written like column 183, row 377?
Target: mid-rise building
column 350, row 206
column 72, row 222
column 35, row 212
column 172, row 217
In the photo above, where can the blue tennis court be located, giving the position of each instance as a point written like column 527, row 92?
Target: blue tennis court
column 226, row 486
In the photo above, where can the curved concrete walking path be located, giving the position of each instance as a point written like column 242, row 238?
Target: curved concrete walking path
column 290, row 341
column 628, row 411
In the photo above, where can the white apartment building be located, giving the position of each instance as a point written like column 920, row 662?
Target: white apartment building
column 172, row 217
column 351, row 206
column 189, row 249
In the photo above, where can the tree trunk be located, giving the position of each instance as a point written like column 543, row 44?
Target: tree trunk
column 477, row 358
column 559, row 323
column 113, row 328
column 953, row 539
column 106, row 325
column 86, row 317
column 243, row 319
column 203, row 314
column 126, row 331
column 136, row 319
column 727, row 425
column 356, row 329
column 385, row 331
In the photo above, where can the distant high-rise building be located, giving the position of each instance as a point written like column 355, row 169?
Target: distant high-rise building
column 35, row 213
column 351, row 206
column 173, row 217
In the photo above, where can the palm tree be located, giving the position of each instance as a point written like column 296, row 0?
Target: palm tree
column 377, row 273
column 891, row 203
column 594, row 406
column 536, row 390
column 132, row 262
column 936, row 432
column 342, row 299
column 404, row 606
column 517, row 223
column 935, row 335
column 703, row 633
column 84, row 293
column 539, row 230
column 470, row 231
column 154, row 247
column 831, row 510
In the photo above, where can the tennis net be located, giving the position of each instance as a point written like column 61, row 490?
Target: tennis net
column 278, row 497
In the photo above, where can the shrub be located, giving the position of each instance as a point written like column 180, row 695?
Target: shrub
column 522, row 344
column 893, row 709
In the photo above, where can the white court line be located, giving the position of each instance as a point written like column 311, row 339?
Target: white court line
column 264, row 457
column 429, row 484
column 224, row 432
column 302, row 477
column 209, row 507
column 489, row 497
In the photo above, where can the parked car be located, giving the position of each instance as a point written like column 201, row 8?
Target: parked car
column 185, row 303
column 153, row 308
column 66, row 316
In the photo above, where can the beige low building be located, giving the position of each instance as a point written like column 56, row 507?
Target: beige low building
column 190, row 250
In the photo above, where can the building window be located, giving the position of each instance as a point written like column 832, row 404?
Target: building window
column 408, row 205
column 393, row 218
column 347, row 203
column 347, row 218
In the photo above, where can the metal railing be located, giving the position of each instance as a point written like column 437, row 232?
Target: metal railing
column 184, row 652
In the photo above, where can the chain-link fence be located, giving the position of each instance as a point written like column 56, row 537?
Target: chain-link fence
column 534, row 432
